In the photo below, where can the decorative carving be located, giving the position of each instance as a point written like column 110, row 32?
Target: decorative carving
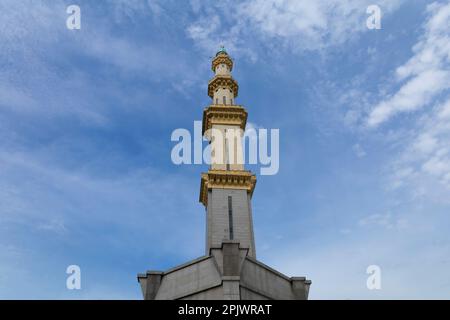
column 226, row 179
column 221, row 58
column 224, row 115
column 222, row 81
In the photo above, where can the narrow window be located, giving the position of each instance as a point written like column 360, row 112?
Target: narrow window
column 224, row 100
column 227, row 152
column 217, row 100
column 231, row 102
column 230, row 217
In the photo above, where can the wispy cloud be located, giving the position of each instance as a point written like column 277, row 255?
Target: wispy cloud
column 382, row 220
column 422, row 160
column 425, row 75
column 51, row 208
column 426, row 155
column 359, row 151
column 296, row 25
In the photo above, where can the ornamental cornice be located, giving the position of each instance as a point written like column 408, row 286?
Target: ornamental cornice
column 224, row 115
column 222, row 81
column 222, row 59
column 226, row 179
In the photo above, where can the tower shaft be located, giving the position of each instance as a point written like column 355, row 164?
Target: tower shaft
column 227, row 188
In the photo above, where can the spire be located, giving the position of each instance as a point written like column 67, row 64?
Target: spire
column 221, row 50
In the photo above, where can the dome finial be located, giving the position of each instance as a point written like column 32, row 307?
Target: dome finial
column 221, row 50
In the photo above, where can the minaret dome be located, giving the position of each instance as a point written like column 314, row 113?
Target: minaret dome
column 223, row 89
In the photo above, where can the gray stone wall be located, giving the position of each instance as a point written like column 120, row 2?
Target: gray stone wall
column 228, row 274
column 218, row 226
column 183, row 281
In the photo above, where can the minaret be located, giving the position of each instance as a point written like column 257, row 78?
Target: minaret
column 229, row 269
column 226, row 189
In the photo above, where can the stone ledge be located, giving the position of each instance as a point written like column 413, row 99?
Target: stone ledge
column 224, row 115
column 231, row 278
column 226, row 179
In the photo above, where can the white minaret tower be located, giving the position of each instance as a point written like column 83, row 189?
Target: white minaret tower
column 226, row 189
column 229, row 269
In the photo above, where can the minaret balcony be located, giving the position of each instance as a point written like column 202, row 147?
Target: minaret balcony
column 224, row 115
column 226, row 179
column 221, row 58
column 219, row 81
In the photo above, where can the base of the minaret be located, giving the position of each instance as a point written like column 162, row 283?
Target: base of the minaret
column 228, row 273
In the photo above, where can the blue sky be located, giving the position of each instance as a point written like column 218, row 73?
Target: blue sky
column 86, row 116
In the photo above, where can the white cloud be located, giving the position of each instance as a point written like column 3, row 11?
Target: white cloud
column 386, row 220
column 44, row 69
column 425, row 75
column 426, row 154
column 295, row 24
column 420, row 147
column 359, row 151
column 204, row 30
column 413, row 95
column 253, row 126
column 54, row 225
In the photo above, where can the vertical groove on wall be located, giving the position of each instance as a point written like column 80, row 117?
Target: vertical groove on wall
column 230, row 217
